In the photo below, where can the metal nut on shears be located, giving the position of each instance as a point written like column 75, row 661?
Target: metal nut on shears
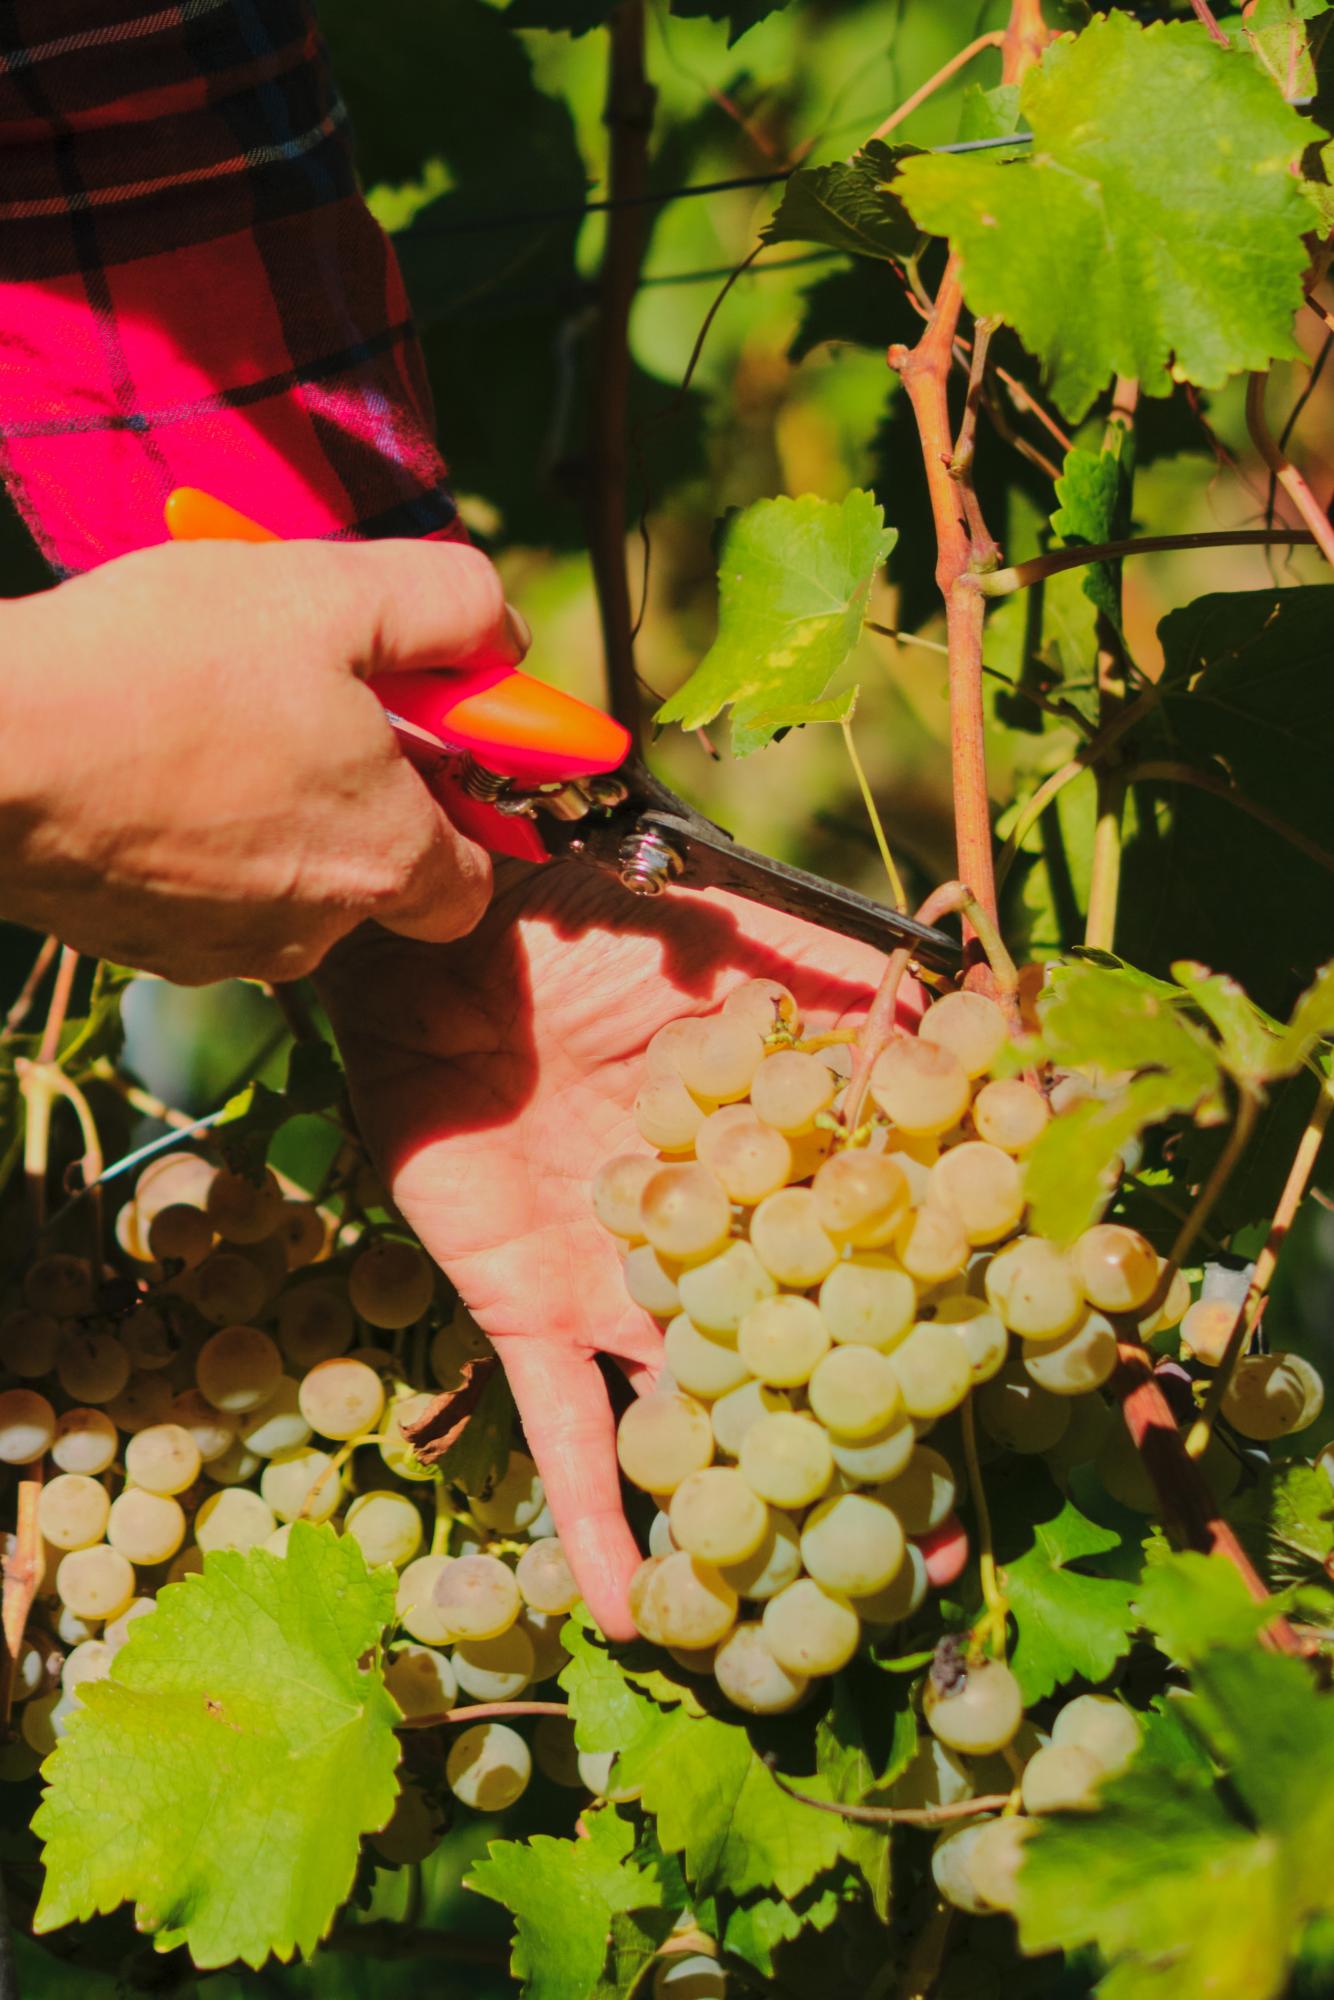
column 648, row 861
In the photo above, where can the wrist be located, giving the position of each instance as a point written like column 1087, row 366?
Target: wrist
column 40, row 746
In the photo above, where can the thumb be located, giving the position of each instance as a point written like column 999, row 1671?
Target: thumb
column 433, row 604
column 448, row 885
column 567, row 1420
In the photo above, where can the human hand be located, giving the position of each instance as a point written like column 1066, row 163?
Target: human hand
column 492, row 1078
column 194, row 777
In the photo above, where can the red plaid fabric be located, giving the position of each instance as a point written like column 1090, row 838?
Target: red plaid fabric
column 192, row 291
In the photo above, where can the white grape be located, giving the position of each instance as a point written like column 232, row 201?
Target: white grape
column 790, row 1090
column 213, row 1433
column 301, row 1484
column 933, row 1776
column 391, row 1284
column 1063, row 1777
column 315, row 1323
column 883, row 1455
column 180, row 1234
column 750, row 1676
column 869, row 1301
column 921, row 1088
column 982, row 1331
column 416, row 1606
column 488, row 1766
column 277, row 1423
column 650, row 1282
column 719, row 1063
column 496, row 1669
column 95, row 1583
column 1033, row 1287
column 242, row 1210
column 395, row 1447
column 1173, row 1308
column 702, row 1364
column 995, row 1859
column 92, row 1366
column 733, row 1414
column 852, row 1543
column 662, row 1438
column 1080, row 1361
column 970, row 1026
column 982, row 1186
column 790, row 1240
column 1206, row 1329
column 980, row 1713
column 385, row 1526
column 903, row 1595
column 951, row 1870
column 934, row 1369
column 687, row 1603
column 1100, row 1725
column 546, row 1581
column 718, row 1294
column 685, row 1213
column 60, row 1285
column 72, row 1510
column 781, row 1340
column 544, row 1628
column 774, row 1564
column 924, row 1493
column 666, row 1114
column 595, row 1768
column 238, row 1368
column 751, row 1159
column 1011, row 1114
column 1117, row 1268
column 342, row 1398
column 787, row 1459
column 766, row 1004
column 861, row 1198
column 555, row 1754
column 811, row 1630
column 29, row 1342
column 516, row 1499
column 1268, row 1397
column 1014, row 1410
column 235, row 1518
column 660, row 1542
column 146, row 1527
column 617, row 1186
column 234, row 1466
column 227, row 1289
column 715, row 1515
column 145, row 1400
column 27, row 1426
column 932, row 1245
column 478, row 1597
column 856, row 1391
column 422, row 1681
column 116, row 1632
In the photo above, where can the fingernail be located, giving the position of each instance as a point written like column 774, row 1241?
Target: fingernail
column 519, row 629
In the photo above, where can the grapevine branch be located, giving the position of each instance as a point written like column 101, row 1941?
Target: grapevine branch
column 1018, row 576
column 1284, row 471
column 485, row 1711
column 989, row 1802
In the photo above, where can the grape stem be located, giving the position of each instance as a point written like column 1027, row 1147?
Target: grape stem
column 37, row 1090
column 482, row 1711
column 1299, row 1173
column 990, row 1630
column 23, row 1566
column 1018, row 576
column 891, row 1815
column 1285, row 472
column 898, row 893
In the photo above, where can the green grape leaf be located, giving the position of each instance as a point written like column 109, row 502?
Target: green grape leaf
column 222, row 1779
column 635, row 1939
column 757, row 1928
column 1187, row 1884
column 575, row 17
column 1192, row 1603
column 849, row 205
column 740, row 15
column 1070, row 1624
column 1312, row 1023
column 1247, row 1038
column 564, row 1896
column 314, row 1082
column 1094, row 495
column 1071, row 1172
column 1286, row 1521
column 989, row 114
column 1132, row 240
column 793, row 584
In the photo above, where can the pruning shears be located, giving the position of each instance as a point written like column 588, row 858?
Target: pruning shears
column 529, row 771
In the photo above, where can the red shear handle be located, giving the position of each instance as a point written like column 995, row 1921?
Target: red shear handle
column 516, row 726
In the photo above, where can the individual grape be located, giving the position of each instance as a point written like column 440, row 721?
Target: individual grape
column 932, row 1245
column 385, row 1526
column 555, row 1754
column 342, row 1398
column 970, row 1026
column 714, row 1515
column 687, row 1602
column 60, row 1285
column 544, row 1628
column 617, row 1186
column 914, row 1159
column 982, row 1331
column 72, row 1510
column 413, row 1831
column 856, row 1392
column 147, row 1528
column 227, row 1288
column 662, row 1438
column 766, row 1004
column 923, row 1494
column 774, row 1564
column 980, row 1713
column 1100, row 1725
column 750, row 1159
column 663, row 1054
column 748, row 1674
column 516, row 1499
column 391, row 1284
column 180, row 1234
column 422, row 1681
column 303, row 1234
column 488, row 1767
column 173, row 1177
column 690, row 1976
column 1011, row 1114
column 496, row 1669
column 934, row 1369
column 1123, row 1472
column 1020, row 1415
column 95, row 1583
column 242, row 1210
column 666, row 1114
column 983, row 1187
column 1084, row 1435
column 71, row 1630
column 733, row 1414
column 853, row 1544
column 861, row 1198
column 790, row 1240
column 639, row 1599
column 720, row 1061
column 1063, row 1777
column 117, row 1630
column 1116, row 1267
column 235, row 1518
column 416, row 1606
column 660, row 1542
column 685, row 1213
column 92, row 1366
column 701, row 1364
column 1267, row 1397
column 782, row 1339
column 1206, row 1329
column 395, row 1447
column 883, row 1455
column 809, row 1151
column 301, row 1485
column 787, row 1459
column 1313, row 1390
column 951, row 1869
column 212, row 1430
column 920, row 1087
column 1173, row 1308
column 650, row 1282
column 1033, row 1287
column 238, row 1368
column 791, row 1089
column 901, row 1597
column 811, row 1630
column 478, row 1596
column 1080, row 1361
column 945, row 1553
column 545, row 1579
column 37, row 1670
column 145, row 1400
column 27, row 1426
column 29, row 1342
column 717, row 1295
column 868, row 1301
column 595, row 1768
column 995, row 1858
column 45, row 1721
column 315, row 1323
column 149, row 1339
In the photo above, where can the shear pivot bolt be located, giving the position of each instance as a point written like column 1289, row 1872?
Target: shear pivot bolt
column 648, row 862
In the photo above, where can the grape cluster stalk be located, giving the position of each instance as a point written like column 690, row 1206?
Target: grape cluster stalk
column 830, row 1299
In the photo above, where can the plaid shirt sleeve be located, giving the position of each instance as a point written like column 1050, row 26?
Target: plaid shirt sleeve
column 192, row 291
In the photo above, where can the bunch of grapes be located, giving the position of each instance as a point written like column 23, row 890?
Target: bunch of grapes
column 828, row 1297
column 244, row 1370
